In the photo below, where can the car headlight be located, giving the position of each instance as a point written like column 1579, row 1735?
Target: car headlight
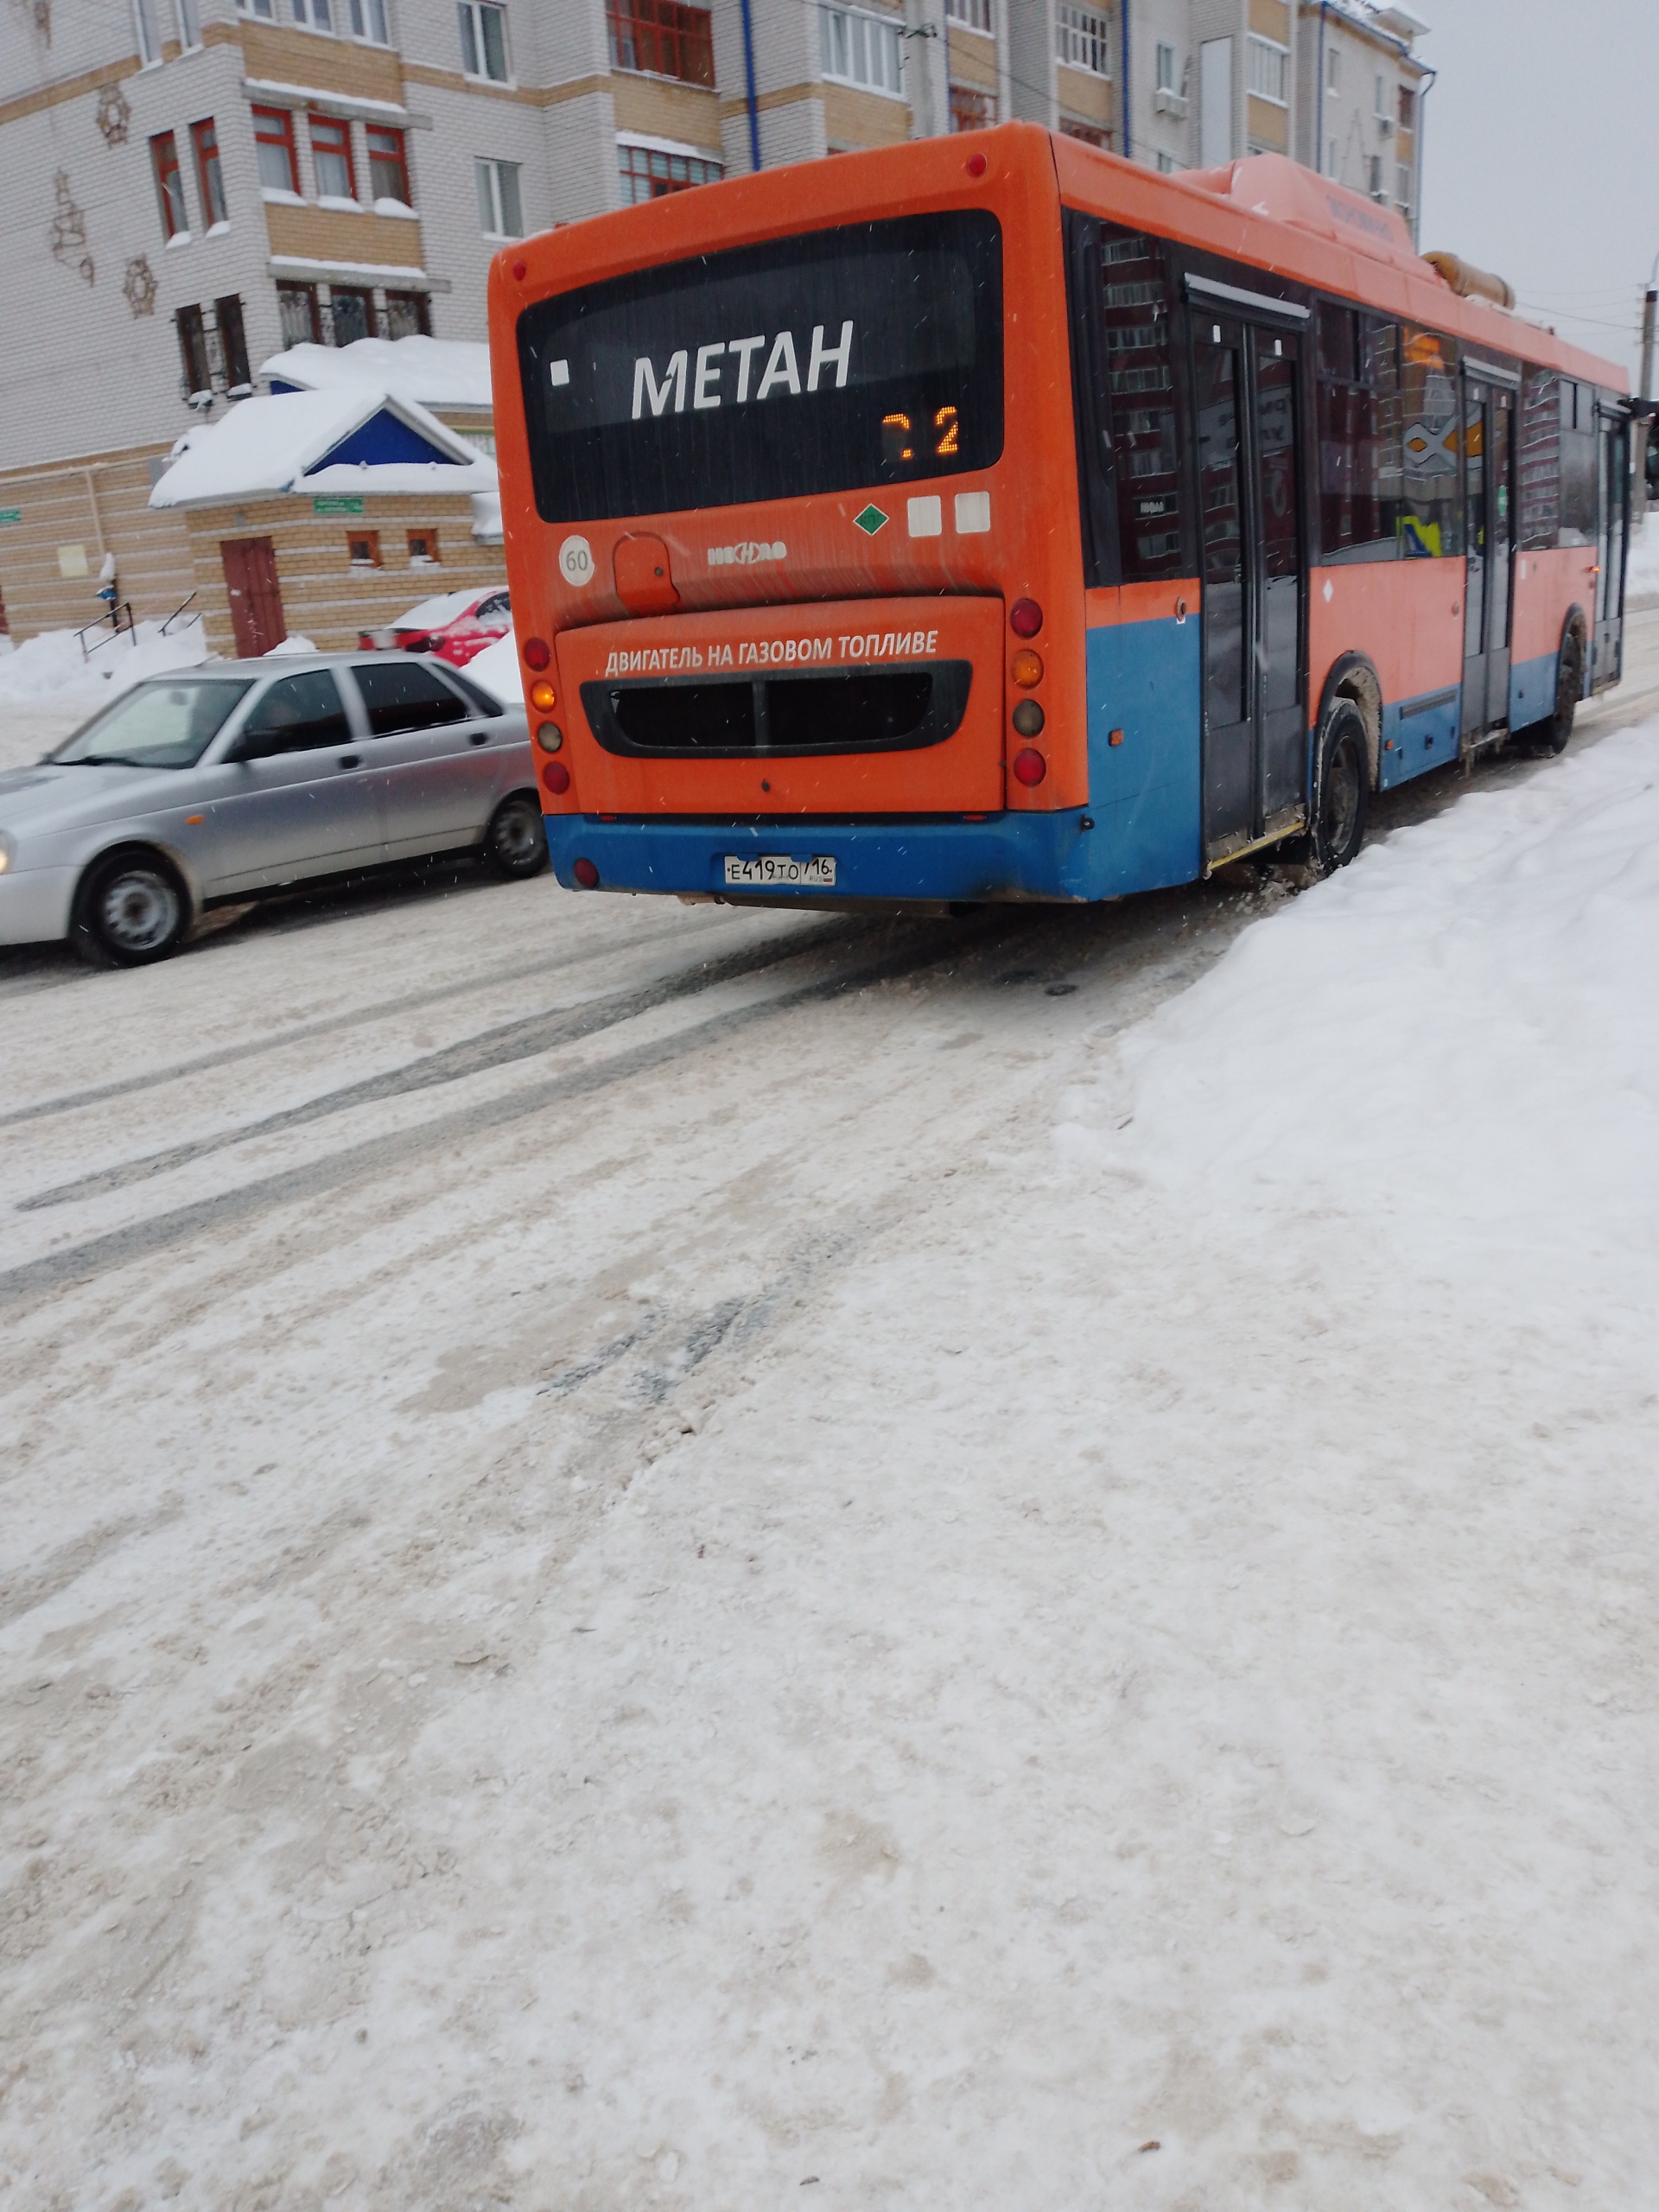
column 6, row 852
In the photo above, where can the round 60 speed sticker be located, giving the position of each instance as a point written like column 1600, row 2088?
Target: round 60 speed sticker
column 576, row 562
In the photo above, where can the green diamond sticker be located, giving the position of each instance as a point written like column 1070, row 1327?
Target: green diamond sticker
column 870, row 521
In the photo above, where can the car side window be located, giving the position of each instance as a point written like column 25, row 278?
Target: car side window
column 300, row 713
column 404, row 695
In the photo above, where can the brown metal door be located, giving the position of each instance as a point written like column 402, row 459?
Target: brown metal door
column 256, row 598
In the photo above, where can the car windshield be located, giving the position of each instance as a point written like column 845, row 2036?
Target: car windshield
column 167, row 724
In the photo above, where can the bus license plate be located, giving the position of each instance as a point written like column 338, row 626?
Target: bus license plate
column 759, row 871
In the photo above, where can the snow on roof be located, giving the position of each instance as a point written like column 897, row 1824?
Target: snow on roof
column 356, row 440
column 432, row 372
column 433, row 613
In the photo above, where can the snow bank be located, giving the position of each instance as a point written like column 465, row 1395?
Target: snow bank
column 431, row 372
column 497, row 668
column 1641, row 576
column 52, row 665
column 433, row 613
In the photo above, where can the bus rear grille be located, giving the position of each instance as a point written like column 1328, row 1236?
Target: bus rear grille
column 866, row 710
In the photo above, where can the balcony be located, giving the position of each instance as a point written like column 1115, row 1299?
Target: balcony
column 663, row 38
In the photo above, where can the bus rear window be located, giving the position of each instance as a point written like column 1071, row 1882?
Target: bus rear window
column 866, row 355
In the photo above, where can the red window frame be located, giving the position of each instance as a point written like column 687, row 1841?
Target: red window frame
column 387, row 152
column 274, row 126
column 971, row 108
column 330, row 135
column 649, row 175
column 663, row 38
column 210, row 171
column 169, row 185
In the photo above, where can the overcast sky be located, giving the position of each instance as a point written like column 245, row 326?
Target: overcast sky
column 1542, row 157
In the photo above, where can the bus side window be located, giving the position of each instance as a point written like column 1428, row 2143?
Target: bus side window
column 1540, row 462
column 1358, row 433
column 1577, row 515
column 1428, row 519
column 1135, row 296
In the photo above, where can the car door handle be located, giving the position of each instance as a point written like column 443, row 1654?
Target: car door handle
column 481, row 737
column 351, row 759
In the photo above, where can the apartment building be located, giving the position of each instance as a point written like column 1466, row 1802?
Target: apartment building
column 195, row 185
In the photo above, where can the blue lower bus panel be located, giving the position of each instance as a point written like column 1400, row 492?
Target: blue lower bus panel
column 1419, row 734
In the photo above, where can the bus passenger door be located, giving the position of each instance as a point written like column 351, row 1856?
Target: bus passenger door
column 1488, row 537
column 1246, row 395
column 1612, row 516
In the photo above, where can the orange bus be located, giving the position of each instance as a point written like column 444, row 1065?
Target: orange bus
column 990, row 519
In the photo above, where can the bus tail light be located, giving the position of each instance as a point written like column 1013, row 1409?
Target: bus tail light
column 557, row 777
column 1028, row 718
column 543, row 697
column 1028, row 669
column 1029, row 765
column 586, row 875
column 549, row 737
column 538, row 653
column 1025, row 618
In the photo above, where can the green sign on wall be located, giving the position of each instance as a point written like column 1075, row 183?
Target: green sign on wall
column 336, row 506
column 9, row 514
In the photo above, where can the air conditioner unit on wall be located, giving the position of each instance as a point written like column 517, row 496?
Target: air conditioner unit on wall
column 1385, row 126
column 1167, row 103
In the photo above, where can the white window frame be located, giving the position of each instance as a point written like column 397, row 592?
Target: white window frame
column 1165, row 71
column 263, row 9
column 473, row 13
column 147, row 30
column 862, row 48
column 972, row 14
column 487, row 170
column 1381, row 110
column 1333, row 72
column 1267, row 61
column 1083, row 38
column 189, row 14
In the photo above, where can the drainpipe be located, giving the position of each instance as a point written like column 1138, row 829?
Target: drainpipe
column 749, row 76
column 1129, row 136
column 1319, row 99
column 1423, row 91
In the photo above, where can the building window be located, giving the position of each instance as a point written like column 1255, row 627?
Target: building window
column 233, row 344
column 273, row 145
column 1166, row 68
column 1333, row 70
column 149, row 35
column 1374, row 172
column 1403, row 187
column 483, row 39
column 193, row 352
column 1380, row 106
column 261, row 8
column 1269, row 70
column 363, row 547
column 319, row 14
column 210, row 177
column 971, row 108
column 1331, row 161
column 661, row 38
column 351, row 315
column 422, row 549
column 650, row 173
column 500, row 210
column 1084, row 39
column 189, row 25
column 862, row 49
column 1407, row 108
column 169, row 185
column 369, row 22
column 407, row 316
column 331, row 156
column 976, row 14
column 296, row 306
column 1165, row 164
column 387, row 165
column 1090, row 134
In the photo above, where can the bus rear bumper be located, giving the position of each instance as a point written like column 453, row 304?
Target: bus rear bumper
column 1007, row 857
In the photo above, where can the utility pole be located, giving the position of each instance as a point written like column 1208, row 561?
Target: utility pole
column 1648, row 307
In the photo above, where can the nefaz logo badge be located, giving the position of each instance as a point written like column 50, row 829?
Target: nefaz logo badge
column 736, row 356
column 745, row 555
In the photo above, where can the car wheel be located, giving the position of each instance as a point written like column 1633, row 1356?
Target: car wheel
column 1341, row 787
column 1551, row 736
column 515, row 844
column 132, row 910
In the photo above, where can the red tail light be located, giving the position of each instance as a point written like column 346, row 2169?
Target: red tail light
column 557, row 777
column 1025, row 619
column 586, row 875
column 1029, row 765
column 538, row 653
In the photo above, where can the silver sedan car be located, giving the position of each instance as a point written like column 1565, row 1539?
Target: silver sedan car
column 222, row 783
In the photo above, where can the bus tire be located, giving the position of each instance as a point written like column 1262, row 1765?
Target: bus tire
column 1341, row 787
column 132, row 909
column 1550, row 736
column 515, row 844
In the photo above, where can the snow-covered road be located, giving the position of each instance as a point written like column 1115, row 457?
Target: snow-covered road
column 663, row 1556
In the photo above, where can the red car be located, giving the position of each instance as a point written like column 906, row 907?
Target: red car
column 455, row 626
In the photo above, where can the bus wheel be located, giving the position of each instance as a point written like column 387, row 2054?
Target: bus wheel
column 1550, row 737
column 1341, row 786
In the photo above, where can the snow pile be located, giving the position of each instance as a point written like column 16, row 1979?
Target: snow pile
column 433, row 613
column 497, row 668
column 432, row 372
column 1641, row 575
column 53, row 666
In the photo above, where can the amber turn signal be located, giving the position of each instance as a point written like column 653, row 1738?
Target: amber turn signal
column 1028, row 669
column 1028, row 718
column 1029, row 765
column 543, row 697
